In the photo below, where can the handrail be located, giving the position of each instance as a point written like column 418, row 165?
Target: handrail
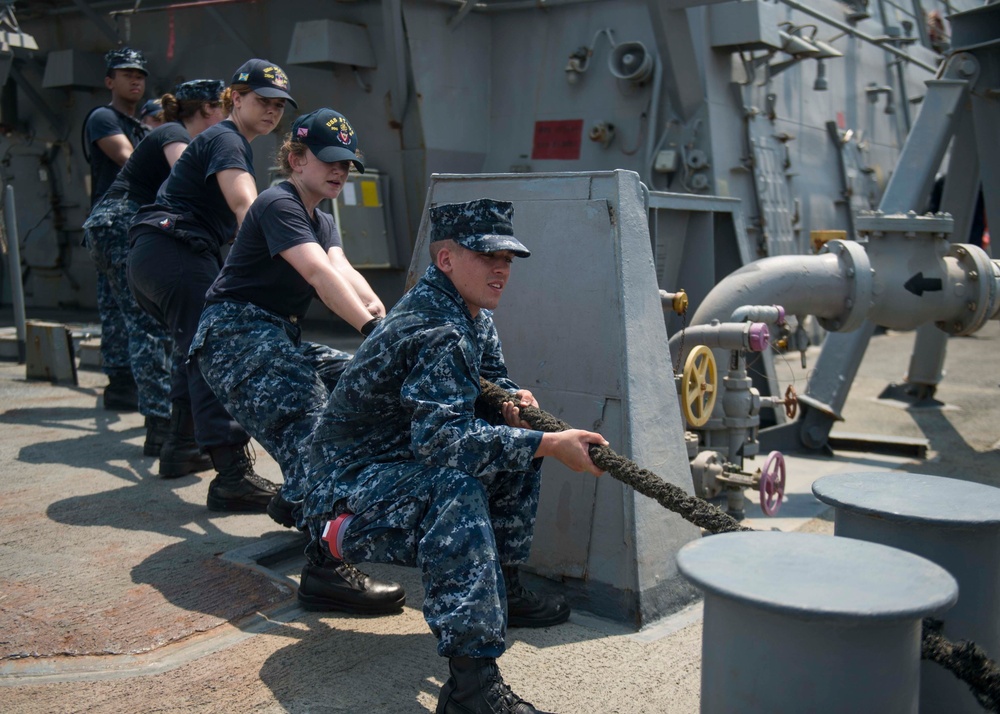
column 844, row 27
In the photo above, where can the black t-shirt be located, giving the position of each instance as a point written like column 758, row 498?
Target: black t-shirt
column 190, row 203
column 147, row 167
column 255, row 272
column 101, row 123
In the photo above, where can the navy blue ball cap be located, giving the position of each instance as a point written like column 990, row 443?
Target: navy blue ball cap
column 484, row 225
column 202, row 90
column 266, row 78
column 329, row 136
column 152, row 106
column 125, row 58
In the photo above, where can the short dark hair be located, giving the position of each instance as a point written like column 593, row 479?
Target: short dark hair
column 437, row 246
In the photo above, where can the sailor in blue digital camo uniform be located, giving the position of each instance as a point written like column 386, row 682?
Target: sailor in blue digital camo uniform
column 405, row 472
column 249, row 344
column 110, row 133
column 176, row 254
column 193, row 107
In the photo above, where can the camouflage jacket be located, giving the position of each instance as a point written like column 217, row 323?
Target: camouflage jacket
column 409, row 395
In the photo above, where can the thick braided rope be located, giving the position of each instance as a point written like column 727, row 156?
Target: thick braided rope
column 965, row 660
column 695, row 510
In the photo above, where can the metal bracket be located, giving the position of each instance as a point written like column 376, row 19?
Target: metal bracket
column 103, row 26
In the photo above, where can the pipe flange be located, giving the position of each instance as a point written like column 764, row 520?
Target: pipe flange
column 691, row 442
column 856, row 267
column 706, row 467
column 875, row 224
column 758, row 336
column 982, row 297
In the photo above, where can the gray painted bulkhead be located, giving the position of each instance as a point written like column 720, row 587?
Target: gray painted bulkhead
column 592, row 348
column 475, row 85
column 462, row 93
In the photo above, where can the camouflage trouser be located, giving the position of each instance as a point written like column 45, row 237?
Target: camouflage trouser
column 114, row 332
column 131, row 340
column 457, row 529
column 269, row 381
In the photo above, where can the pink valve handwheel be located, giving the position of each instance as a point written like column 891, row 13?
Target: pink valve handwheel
column 772, row 483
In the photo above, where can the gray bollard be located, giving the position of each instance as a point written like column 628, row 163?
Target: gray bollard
column 954, row 523
column 798, row 622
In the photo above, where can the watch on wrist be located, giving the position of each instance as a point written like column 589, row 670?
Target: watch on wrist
column 367, row 328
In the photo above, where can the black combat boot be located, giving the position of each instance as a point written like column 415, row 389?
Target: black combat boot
column 237, row 487
column 157, row 431
column 281, row 511
column 476, row 687
column 121, row 394
column 528, row 609
column 180, row 454
column 336, row 585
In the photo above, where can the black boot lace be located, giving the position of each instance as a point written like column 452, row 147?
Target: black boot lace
column 517, row 594
column 260, row 482
column 252, row 476
column 501, row 696
column 250, row 453
column 354, row 577
column 518, row 591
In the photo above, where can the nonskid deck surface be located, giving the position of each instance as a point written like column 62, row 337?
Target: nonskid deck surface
column 119, row 591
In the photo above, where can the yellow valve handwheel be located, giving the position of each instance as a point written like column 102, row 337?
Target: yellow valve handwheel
column 700, row 386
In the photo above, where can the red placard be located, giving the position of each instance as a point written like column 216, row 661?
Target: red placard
column 557, row 139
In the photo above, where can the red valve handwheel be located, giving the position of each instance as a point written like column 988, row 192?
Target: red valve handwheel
column 791, row 402
column 772, row 483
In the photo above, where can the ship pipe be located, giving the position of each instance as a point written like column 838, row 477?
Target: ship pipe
column 825, row 285
column 516, row 5
column 919, row 277
column 652, row 120
column 844, row 27
column 846, row 285
column 752, row 336
column 771, row 314
column 392, row 18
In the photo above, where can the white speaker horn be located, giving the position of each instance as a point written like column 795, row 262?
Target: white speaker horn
column 631, row 61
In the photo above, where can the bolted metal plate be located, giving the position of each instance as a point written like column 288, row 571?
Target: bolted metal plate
column 877, row 222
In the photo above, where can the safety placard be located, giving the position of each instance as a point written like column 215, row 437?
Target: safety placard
column 369, row 194
column 557, row 139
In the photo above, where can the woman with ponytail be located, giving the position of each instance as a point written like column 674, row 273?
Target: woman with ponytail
column 193, row 107
column 176, row 254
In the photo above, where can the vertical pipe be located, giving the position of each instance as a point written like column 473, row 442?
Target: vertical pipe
column 395, row 41
column 920, row 21
column 654, row 117
column 14, row 264
column 904, row 98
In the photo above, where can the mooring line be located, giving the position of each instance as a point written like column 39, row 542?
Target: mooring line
column 964, row 659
